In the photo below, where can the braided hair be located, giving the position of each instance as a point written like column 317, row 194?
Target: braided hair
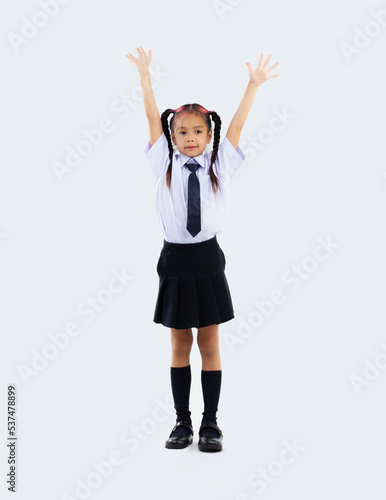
column 207, row 115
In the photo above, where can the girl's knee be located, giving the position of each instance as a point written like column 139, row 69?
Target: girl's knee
column 208, row 346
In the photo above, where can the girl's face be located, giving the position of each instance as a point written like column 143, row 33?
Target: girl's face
column 191, row 135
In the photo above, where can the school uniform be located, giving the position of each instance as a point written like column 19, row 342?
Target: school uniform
column 193, row 289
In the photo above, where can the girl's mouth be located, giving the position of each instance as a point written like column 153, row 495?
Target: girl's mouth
column 190, row 147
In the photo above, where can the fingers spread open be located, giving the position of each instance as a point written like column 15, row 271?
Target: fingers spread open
column 266, row 62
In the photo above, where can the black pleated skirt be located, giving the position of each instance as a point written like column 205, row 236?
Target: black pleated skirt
column 193, row 290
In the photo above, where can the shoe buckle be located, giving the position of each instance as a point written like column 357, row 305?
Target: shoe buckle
column 183, row 423
column 212, row 425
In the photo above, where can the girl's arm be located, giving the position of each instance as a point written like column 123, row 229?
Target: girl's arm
column 257, row 77
column 142, row 63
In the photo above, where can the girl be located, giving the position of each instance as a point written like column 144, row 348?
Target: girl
column 192, row 194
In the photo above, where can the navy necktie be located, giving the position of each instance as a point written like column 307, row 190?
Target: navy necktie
column 194, row 205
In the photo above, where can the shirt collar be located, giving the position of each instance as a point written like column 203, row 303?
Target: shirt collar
column 183, row 159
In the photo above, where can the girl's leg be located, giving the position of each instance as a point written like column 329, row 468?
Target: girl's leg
column 180, row 375
column 182, row 341
column 208, row 343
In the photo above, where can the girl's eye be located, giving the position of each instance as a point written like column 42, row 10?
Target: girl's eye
column 199, row 131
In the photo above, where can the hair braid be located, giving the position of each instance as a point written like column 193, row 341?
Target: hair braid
column 216, row 142
column 165, row 127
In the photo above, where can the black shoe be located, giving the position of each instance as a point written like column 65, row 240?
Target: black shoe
column 180, row 441
column 210, row 443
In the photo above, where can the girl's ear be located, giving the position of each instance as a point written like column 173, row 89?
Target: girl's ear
column 209, row 136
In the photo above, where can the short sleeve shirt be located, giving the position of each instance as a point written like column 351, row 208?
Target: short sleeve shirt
column 171, row 205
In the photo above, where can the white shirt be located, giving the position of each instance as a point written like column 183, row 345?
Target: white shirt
column 172, row 206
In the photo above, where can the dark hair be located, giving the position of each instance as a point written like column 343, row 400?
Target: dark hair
column 191, row 109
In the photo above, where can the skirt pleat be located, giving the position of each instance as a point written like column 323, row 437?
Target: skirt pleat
column 193, row 289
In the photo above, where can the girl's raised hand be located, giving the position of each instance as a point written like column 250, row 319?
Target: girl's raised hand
column 142, row 62
column 261, row 73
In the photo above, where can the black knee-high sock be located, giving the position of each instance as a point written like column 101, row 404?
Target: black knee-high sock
column 211, row 385
column 181, row 380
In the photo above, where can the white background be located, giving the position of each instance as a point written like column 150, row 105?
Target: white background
column 322, row 177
